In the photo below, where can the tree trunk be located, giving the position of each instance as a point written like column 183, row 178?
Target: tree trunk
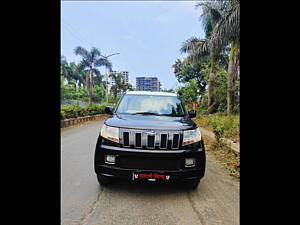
column 89, row 85
column 232, row 70
column 211, row 82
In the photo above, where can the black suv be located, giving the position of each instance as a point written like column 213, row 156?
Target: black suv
column 150, row 136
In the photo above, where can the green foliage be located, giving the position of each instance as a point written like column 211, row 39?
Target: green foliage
column 188, row 93
column 113, row 99
column 186, row 71
column 168, row 90
column 220, row 20
column 120, row 86
column 69, row 92
column 72, row 73
column 220, row 91
column 99, row 93
column 220, row 124
column 74, row 111
column 218, row 127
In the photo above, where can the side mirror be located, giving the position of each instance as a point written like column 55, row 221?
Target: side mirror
column 109, row 110
column 192, row 113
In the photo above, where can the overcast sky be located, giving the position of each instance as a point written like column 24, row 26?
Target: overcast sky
column 147, row 34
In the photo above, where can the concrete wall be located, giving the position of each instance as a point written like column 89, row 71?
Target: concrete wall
column 74, row 121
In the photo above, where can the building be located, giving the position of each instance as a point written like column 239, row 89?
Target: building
column 147, row 84
column 111, row 81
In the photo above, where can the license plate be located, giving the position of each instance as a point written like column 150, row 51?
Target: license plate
column 150, row 176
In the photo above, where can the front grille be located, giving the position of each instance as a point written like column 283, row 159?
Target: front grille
column 150, row 139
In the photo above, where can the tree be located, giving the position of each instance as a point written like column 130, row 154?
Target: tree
column 129, row 87
column 72, row 73
column 227, row 31
column 169, row 90
column 119, row 84
column 221, row 24
column 91, row 61
column 188, row 93
column 99, row 92
column 199, row 48
column 65, row 71
column 185, row 71
column 63, row 66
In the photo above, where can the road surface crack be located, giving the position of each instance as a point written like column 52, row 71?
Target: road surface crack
column 92, row 210
column 199, row 215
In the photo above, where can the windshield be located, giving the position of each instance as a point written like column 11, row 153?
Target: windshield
column 151, row 105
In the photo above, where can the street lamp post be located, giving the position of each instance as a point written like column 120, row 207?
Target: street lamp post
column 106, row 75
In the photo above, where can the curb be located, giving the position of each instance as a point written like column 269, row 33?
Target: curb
column 74, row 121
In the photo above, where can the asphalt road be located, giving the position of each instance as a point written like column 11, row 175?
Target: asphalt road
column 84, row 201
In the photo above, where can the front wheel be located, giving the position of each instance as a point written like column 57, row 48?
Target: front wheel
column 192, row 184
column 104, row 180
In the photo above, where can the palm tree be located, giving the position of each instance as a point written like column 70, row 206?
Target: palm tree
column 119, row 85
column 72, row 72
column 199, row 48
column 228, row 31
column 225, row 31
column 81, row 76
column 90, row 61
column 64, row 68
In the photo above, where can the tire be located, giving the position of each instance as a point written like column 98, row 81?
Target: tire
column 192, row 184
column 103, row 180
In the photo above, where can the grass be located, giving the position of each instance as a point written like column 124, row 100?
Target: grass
column 230, row 124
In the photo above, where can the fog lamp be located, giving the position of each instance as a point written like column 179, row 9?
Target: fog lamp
column 189, row 162
column 110, row 159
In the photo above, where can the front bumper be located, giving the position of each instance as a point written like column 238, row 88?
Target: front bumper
column 129, row 161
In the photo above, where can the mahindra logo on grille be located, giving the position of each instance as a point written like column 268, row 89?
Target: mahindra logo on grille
column 150, row 132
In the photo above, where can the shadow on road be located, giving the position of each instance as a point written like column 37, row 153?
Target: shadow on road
column 148, row 188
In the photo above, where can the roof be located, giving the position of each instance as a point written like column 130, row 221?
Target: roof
column 150, row 93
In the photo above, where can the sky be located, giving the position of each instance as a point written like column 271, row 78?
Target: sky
column 147, row 34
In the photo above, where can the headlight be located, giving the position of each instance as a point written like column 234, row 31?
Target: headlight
column 191, row 136
column 110, row 133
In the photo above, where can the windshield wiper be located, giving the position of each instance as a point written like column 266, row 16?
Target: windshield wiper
column 147, row 113
column 156, row 114
column 176, row 115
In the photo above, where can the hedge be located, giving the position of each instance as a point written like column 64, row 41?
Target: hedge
column 74, row 111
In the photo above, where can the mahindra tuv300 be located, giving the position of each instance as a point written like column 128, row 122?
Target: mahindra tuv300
column 150, row 136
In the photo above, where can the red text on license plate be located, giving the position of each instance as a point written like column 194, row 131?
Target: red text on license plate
column 150, row 176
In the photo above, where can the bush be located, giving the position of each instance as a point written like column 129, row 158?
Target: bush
column 220, row 124
column 74, row 110
column 218, row 128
